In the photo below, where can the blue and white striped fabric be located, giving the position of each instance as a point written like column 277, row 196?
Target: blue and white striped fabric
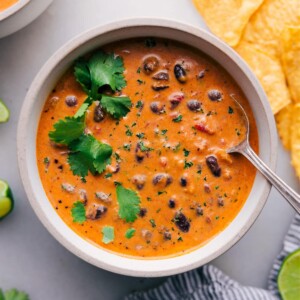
column 209, row 283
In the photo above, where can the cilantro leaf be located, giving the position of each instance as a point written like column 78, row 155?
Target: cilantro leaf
column 129, row 204
column 81, row 164
column 67, row 130
column 106, row 69
column 108, row 234
column 89, row 154
column 130, row 233
column 13, row 294
column 82, row 75
column 99, row 70
column 78, row 212
column 117, row 106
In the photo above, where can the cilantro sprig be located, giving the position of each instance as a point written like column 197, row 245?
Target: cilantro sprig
column 99, row 71
column 87, row 153
column 129, row 204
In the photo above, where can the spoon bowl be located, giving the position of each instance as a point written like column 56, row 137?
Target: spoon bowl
column 245, row 149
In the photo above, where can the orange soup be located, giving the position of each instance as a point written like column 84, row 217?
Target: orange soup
column 131, row 148
column 5, row 4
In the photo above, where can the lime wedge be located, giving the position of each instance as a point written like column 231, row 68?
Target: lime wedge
column 289, row 277
column 4, row 112
column 6, row 199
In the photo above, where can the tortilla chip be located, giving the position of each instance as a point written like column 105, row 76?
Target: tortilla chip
column 270, row 74
column 266, row 25
column 295, row 139
column 227, row 18
column 291, row 60
column 284, row 125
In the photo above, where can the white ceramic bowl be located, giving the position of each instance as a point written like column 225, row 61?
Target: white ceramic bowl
column 21, row 14
column 46, row 80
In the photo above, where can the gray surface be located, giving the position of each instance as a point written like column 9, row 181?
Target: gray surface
column 30, row 258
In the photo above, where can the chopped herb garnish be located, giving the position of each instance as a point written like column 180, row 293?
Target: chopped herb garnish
column 78, row 212
column 108, row 175
column 188, row 164
column 164, row 131
column 177, row 147
column 117, row 156
column 177, row 119
column 133, row 124
column 161, row 192
column 217, row 217
column 144, row 148
column 128, row 132
column 139, row 104
column 140, row 135
column 108, row 234
column 139, row 81
column 180, row 239
column 238, row 133
column 127, row 147
column 138, row 70
column 230, row 110
column 129, row 203
column 186, row 152
column 46, row 160
column 130, row 233
column 153, row 224
column 216, row 187
column 149, row 199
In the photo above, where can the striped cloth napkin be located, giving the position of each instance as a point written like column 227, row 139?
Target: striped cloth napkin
column 209, row 283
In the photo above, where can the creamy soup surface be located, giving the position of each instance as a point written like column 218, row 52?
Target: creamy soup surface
column 182, row 113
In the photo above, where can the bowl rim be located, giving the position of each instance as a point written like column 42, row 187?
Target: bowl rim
column 11, row 10
column 136, row 268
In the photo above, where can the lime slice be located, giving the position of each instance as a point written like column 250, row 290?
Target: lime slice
column 6, row 199
column 4, row 112
column 289, row 277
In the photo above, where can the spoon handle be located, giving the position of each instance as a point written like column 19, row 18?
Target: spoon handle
column 288, row 193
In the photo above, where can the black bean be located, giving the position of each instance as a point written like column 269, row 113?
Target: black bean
column 159, row 87
column 194, row 105
column 167, row 235
column 143, row 212
column 150, row 64
column 157, row 107
column 161, row 76
column 214, row 95
column 71, row 100
column 180, row 73
column 117, row 169
column 171, row 203
column 183, row 181
column 162, row 178
column 213, row 165
column 182, row 222
column 199, row 211
column 98, row 113
column 201, row 74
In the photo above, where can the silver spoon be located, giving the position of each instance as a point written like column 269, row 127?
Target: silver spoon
column 244, row 148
